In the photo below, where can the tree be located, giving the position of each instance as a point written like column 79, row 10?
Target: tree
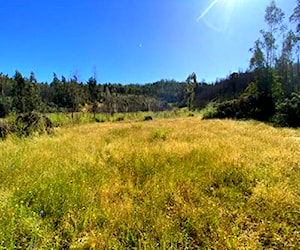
column 55, row 81
column 6, row 87
column 191, row 84
column 284, row 64
column 295, row 17
column 257, row 60
column 63, row 79
column 32, row 96
column 59, row 92
column 269, row 46
column 274, row 18
column 74, row 96
column 93, row 94
column 19, row 92
column 109, row 99
column 26, row 94
column 32, row 77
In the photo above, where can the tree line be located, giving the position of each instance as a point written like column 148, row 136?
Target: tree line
column 20, row 94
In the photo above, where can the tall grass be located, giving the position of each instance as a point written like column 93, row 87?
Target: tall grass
column 63, row 119
column 165, row 184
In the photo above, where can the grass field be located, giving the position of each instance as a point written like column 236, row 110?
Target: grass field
column 178, row 183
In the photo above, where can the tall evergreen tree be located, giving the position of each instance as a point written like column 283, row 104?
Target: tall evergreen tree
column 19, row 92
column 93, row 94
column 74, row 95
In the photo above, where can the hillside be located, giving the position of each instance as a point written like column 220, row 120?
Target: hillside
column 168, row 183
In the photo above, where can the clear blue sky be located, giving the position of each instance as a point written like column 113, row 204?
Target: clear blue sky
column 129, row 41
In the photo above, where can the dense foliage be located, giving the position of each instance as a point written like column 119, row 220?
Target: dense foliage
column 19, row 94
column 288, row 112
column 26, row 125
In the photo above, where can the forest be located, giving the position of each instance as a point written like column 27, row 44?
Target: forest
column 267, row 91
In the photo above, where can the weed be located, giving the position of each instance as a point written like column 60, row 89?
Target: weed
column 159, row 135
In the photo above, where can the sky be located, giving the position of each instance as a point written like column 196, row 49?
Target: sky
column 130, row 41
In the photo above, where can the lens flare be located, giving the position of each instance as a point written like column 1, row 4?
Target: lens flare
column 218, row 13
column 207, row 10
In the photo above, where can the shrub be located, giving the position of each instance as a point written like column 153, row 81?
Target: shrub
column 159, row 135
column 148, row 118
column 209, row 111
column 259, row 108
column 30, row 123
column 4, row 129
column 228, row 109
column 4, row 109
column 119, row 119
column 288, row 112
column 99, row 119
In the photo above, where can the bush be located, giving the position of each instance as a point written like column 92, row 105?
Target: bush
column 28, row 124
column 259, row 108
column 3, row 110
column 4, row 129
column 119, row 119
column 159, row 135
column 148, row 118
column 228, row 109
column 209, row 111
column 288, row 112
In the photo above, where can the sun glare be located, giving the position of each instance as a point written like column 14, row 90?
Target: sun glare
column 218, row 13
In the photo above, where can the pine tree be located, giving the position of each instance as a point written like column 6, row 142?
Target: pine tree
column 93, row 94
column 19, row 92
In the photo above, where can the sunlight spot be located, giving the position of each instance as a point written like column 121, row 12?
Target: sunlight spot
column 207, row 10
column 217, row 15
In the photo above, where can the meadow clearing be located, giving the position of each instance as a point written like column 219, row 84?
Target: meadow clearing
column 177, row 183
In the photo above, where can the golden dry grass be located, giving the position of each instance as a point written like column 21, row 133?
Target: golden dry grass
column 163, row 184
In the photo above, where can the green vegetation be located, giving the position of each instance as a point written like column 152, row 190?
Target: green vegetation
column 25, row 125
column 63, row 119
column 19, row 94
column 179, row 183
column 34, row 123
